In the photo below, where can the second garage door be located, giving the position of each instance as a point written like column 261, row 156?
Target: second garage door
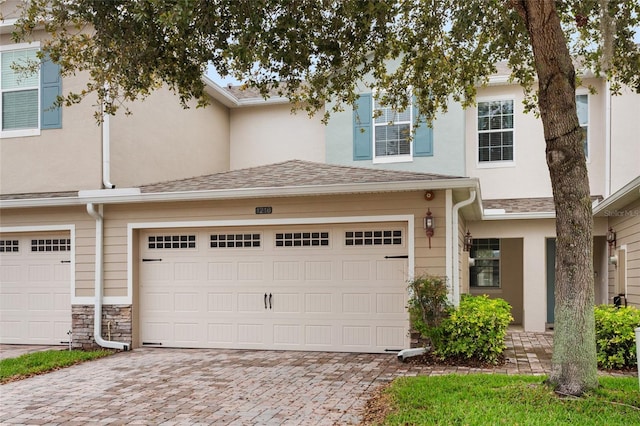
column 35, row 303
column 318, row 287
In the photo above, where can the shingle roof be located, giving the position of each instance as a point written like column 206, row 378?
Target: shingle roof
column 290, row 174
column 34, row 195
column 525, row 205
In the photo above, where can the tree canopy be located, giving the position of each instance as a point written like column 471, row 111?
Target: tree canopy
column 315, row 50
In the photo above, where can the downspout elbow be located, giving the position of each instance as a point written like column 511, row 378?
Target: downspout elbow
column 99, row 281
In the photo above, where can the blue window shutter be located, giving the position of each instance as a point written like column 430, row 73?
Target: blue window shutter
column 362, row 140
column 51, row 88
column 423, row 137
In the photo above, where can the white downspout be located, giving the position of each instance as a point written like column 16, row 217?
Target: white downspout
column 454, row 242
column 607, row 140
column 99, row 278
column 106, row 147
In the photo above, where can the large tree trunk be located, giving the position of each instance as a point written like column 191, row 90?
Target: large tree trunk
column 574, row 362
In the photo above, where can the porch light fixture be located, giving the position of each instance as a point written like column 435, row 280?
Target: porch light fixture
column 611, row 239
column 429, row 225
column 468, row 241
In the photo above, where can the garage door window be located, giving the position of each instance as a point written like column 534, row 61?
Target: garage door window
column 302, row 239
column 172, row 241
column 234, row 240
column 9, row 246
column 51, row 245
column 373, row 238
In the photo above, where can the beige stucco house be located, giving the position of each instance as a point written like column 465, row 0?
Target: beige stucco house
column 241, row 225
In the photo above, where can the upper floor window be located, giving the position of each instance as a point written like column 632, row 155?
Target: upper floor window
column 495, row 131
column 27, row 100
column 384, row 135
column 392, row 132
column 582, row 106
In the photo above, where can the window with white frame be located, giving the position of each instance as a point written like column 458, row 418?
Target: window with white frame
column 392, row 131
column 582, row 106
column 485, row 271
column 27, row 99
column 495, row 131
column 20, row 92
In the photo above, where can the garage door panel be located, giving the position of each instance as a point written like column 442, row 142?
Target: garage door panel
column 318, row 303
column 35, row 286
column 251, row 333
column 11, row 273
column 318, row 270
column 390, row 337
column 323, row 297
column 356, row 303
column 220, row 271
column 220, row 302
column 220, row 333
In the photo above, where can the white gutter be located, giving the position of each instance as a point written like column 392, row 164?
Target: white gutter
column 454, row 240
column 99, row 278
column 519, row 216
column 106, row 147
column 607, row 140
column 134, row 196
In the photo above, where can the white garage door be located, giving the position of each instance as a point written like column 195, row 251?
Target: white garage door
column 325, row 288
column 35, row 304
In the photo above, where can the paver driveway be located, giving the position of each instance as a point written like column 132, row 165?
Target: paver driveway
column 190, row 386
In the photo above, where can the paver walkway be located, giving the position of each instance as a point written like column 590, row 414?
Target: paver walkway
column 234, row 387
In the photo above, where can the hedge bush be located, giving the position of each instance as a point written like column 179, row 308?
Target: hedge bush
column 476, row 329
column 428, row 304
column 615, row 336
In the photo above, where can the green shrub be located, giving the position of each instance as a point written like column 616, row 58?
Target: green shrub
column 428, row 304
column 615, row 336
column 476, row 329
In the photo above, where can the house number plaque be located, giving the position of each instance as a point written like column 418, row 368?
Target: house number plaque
column 264, row 210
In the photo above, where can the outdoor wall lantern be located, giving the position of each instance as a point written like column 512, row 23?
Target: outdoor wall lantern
column 611, row 239
column 468, row 242
column 429, row 225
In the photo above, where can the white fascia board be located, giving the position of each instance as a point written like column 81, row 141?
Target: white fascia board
column 7, row 26
column 218, row 93
column 107, row 197
column 519, row 216
column 620, row 198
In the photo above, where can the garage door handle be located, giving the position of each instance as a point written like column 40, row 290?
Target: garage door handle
column 152, row 260
column 270, row 296
column 65, row 261
column 265, row 300
column 406, row 256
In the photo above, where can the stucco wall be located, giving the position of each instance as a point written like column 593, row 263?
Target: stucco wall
column 625, row 138
column 528, row 175
column 159, row 142
column 271, row 134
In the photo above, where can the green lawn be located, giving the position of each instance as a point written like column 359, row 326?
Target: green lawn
column 42, row 362
column 485, row 399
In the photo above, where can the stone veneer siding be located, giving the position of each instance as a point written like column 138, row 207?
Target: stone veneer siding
column 120, row 329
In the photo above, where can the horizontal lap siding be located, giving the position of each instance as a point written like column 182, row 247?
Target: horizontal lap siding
column 117, row 218
column 85, row 236
column 626, row 223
